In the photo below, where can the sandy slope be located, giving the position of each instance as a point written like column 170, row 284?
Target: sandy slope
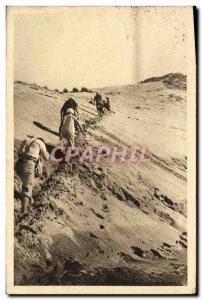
column 108, row 223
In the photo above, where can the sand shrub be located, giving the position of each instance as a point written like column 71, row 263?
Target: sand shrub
column 65, row 90
column 75, row 90
column 84, row 89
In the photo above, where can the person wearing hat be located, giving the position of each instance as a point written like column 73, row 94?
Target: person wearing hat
column 29, row 166
column 67, row 127
column 70, row 103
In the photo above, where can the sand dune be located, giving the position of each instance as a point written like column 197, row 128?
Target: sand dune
column 107, row 223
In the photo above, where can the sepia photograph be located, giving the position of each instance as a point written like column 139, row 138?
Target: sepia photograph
column 101, row 150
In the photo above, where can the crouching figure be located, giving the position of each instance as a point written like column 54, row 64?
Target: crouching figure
column 29, row 165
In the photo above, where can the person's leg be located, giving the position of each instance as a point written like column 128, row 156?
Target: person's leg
column 70, row 139
column 27, row 184
column 98, row 110
column 25, row 200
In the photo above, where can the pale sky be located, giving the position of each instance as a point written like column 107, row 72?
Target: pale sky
column 98, row 47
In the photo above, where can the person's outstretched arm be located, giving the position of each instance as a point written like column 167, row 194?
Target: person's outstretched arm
column 61, row 114
column 62, row 111
column 77, row 112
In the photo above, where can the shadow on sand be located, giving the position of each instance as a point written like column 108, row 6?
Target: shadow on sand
column 89, row 112
column 41, row 126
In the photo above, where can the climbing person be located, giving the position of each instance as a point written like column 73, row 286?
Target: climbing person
column 70, row 103
column 107, row 105
column 98, row 102
column 68, row 129
column 29, row 166
column 103, row 106
column 97, row 98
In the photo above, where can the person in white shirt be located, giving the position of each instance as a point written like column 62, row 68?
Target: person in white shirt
column 29, row 156
column 68, row 128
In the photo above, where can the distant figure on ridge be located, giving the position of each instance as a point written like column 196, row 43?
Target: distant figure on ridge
column 107, row 105
column 98, row 102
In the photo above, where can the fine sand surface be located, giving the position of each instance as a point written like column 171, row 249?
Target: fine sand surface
column 107, row 223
